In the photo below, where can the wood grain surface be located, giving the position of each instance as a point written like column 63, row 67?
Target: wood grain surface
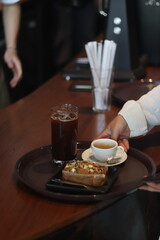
column 24, row 126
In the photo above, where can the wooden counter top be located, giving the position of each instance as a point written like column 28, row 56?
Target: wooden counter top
column 24, row 126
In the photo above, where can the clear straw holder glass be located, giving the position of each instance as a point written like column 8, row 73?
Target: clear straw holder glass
column 101, row 99
column 101, row 90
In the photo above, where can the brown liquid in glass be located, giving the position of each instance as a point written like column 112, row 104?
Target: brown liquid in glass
column 64, row 138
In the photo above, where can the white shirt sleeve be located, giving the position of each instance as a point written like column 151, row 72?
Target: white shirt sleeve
column 142, row 115
column 9, row 1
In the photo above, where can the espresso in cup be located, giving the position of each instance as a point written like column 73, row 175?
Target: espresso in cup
column 103, row 145
column 105, row 149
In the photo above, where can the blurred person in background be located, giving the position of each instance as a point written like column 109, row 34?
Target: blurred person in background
column 11, row 20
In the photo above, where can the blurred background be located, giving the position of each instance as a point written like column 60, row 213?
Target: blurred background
column 54, row 32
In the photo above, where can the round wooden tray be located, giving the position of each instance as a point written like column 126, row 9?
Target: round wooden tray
column 35, row 168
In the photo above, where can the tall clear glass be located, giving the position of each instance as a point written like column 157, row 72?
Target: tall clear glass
column 64, row 127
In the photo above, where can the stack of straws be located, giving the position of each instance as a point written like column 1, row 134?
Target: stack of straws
column 101, row 57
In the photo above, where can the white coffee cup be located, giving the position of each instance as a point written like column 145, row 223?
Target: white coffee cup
column 105, row 149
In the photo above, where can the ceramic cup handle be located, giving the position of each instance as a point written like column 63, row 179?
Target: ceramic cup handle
column 120, row 151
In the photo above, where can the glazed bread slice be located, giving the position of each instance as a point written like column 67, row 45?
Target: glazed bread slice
column 85, row 172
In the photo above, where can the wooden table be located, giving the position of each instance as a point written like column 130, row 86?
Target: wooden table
column 24, row 126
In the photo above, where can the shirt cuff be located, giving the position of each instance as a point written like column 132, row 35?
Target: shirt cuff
column 135, row 118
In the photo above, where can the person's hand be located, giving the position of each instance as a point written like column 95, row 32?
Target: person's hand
column 151, row 186
column 12, row 60
column 118, row 130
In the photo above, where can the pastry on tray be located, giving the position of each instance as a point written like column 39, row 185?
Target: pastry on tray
column 85, row 172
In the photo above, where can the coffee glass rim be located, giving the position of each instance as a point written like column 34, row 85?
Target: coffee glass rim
column 68, row 106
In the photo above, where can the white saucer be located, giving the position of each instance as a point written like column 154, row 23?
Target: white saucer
column 88, row 155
